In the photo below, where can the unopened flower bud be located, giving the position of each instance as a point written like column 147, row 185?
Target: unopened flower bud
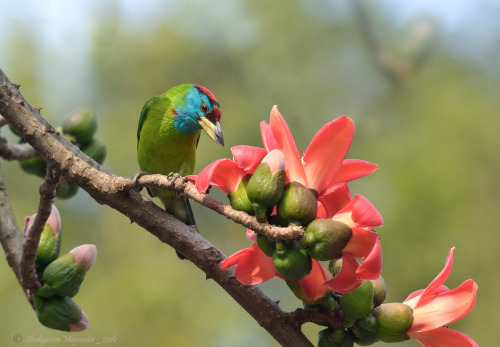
column 265, row 187
column 379, row 291
column 49, row 245
column 357, row 304
column 298, row 206
column 60, row 313
column 64, row 275
column 266, row 245
column 324, row 239
column 239, row 198
column 362, row 336
column 335, row 338
column 291, row 260
column 393, row 320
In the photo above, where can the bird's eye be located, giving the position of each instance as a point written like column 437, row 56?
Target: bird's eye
column 204, row 108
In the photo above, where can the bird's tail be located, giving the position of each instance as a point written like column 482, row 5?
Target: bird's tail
column 180, row 208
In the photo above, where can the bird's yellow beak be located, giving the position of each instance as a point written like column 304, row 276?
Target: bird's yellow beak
column 212, row 129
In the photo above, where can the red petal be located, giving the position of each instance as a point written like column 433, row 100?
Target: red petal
column 267, row 136
column 444, row 308
column 361, row 243
column 327, row 151
column 253, row 266
column 433, row 287
column 414, row 297
column 371, row 267
column 442, row 337
column 364, row 214
column 248, row 157
column 335, row 198
column 222, row 173
column 285, row 143
column 346, row 280
column 352, row 169
column 313, row 284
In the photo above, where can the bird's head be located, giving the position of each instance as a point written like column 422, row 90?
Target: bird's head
column 199, row 109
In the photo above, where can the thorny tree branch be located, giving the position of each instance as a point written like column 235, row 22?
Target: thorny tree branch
column 18, row 151
column 47, row 195
column 116, row 192
column 182, row 185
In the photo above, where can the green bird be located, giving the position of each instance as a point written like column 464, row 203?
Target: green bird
column 167, row 137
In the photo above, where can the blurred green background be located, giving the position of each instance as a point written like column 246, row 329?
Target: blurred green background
column 420, row 79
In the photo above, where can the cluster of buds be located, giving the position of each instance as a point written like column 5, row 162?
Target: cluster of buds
column 61, row 277
column 280, row 187
column 79, row 127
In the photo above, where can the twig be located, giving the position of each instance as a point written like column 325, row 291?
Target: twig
column 105, row 189
column 47, row 194
column 19, row 151
column 181, row 185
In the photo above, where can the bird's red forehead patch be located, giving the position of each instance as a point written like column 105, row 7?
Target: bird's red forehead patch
column 207, row 92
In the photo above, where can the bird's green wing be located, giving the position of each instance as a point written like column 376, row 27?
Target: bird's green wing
column 144, row 115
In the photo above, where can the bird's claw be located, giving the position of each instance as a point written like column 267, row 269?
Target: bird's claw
column 135, row 179
column 171, row 177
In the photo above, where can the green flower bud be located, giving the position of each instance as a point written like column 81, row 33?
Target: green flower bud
column 266, row 245
column 335, row 266
column 49, row 245
column 298, row 206
column 291, row 260
column 357, row 304
column 265, row 187
column 379, row 291
column 393, row 320
column 362, row 336
column 64, row 275
column 335, row 338
column 324, row 239
column 66, row 189
column 327, row 301
column 34, row 166
column 80, row 125
column 96, row 149
column 60, row 313
column 239, row 198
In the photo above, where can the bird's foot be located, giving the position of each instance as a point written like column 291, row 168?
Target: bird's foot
column 171, row 177
column 136, row 178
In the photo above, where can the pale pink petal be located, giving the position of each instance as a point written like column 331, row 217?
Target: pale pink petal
column 285, row 143
column 334, row 199
column 440, row 278
column 371, row 267
column 444, row 308
column 54, row 220
column 346, row 280
column 327, row 151
column 442, row 337
column 267, row 136
column 352, row 169
column 81, row 325
column 223, row 174
column 275, row 160
column 313, row 284
column 252, row 265
column 85, row 255
column 248, row 157
column 251, row 235
column 361, row 243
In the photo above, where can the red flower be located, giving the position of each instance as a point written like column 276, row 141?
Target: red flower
column 436, row 306
column 360, row 215
column 322, row 167
column 254, row 267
